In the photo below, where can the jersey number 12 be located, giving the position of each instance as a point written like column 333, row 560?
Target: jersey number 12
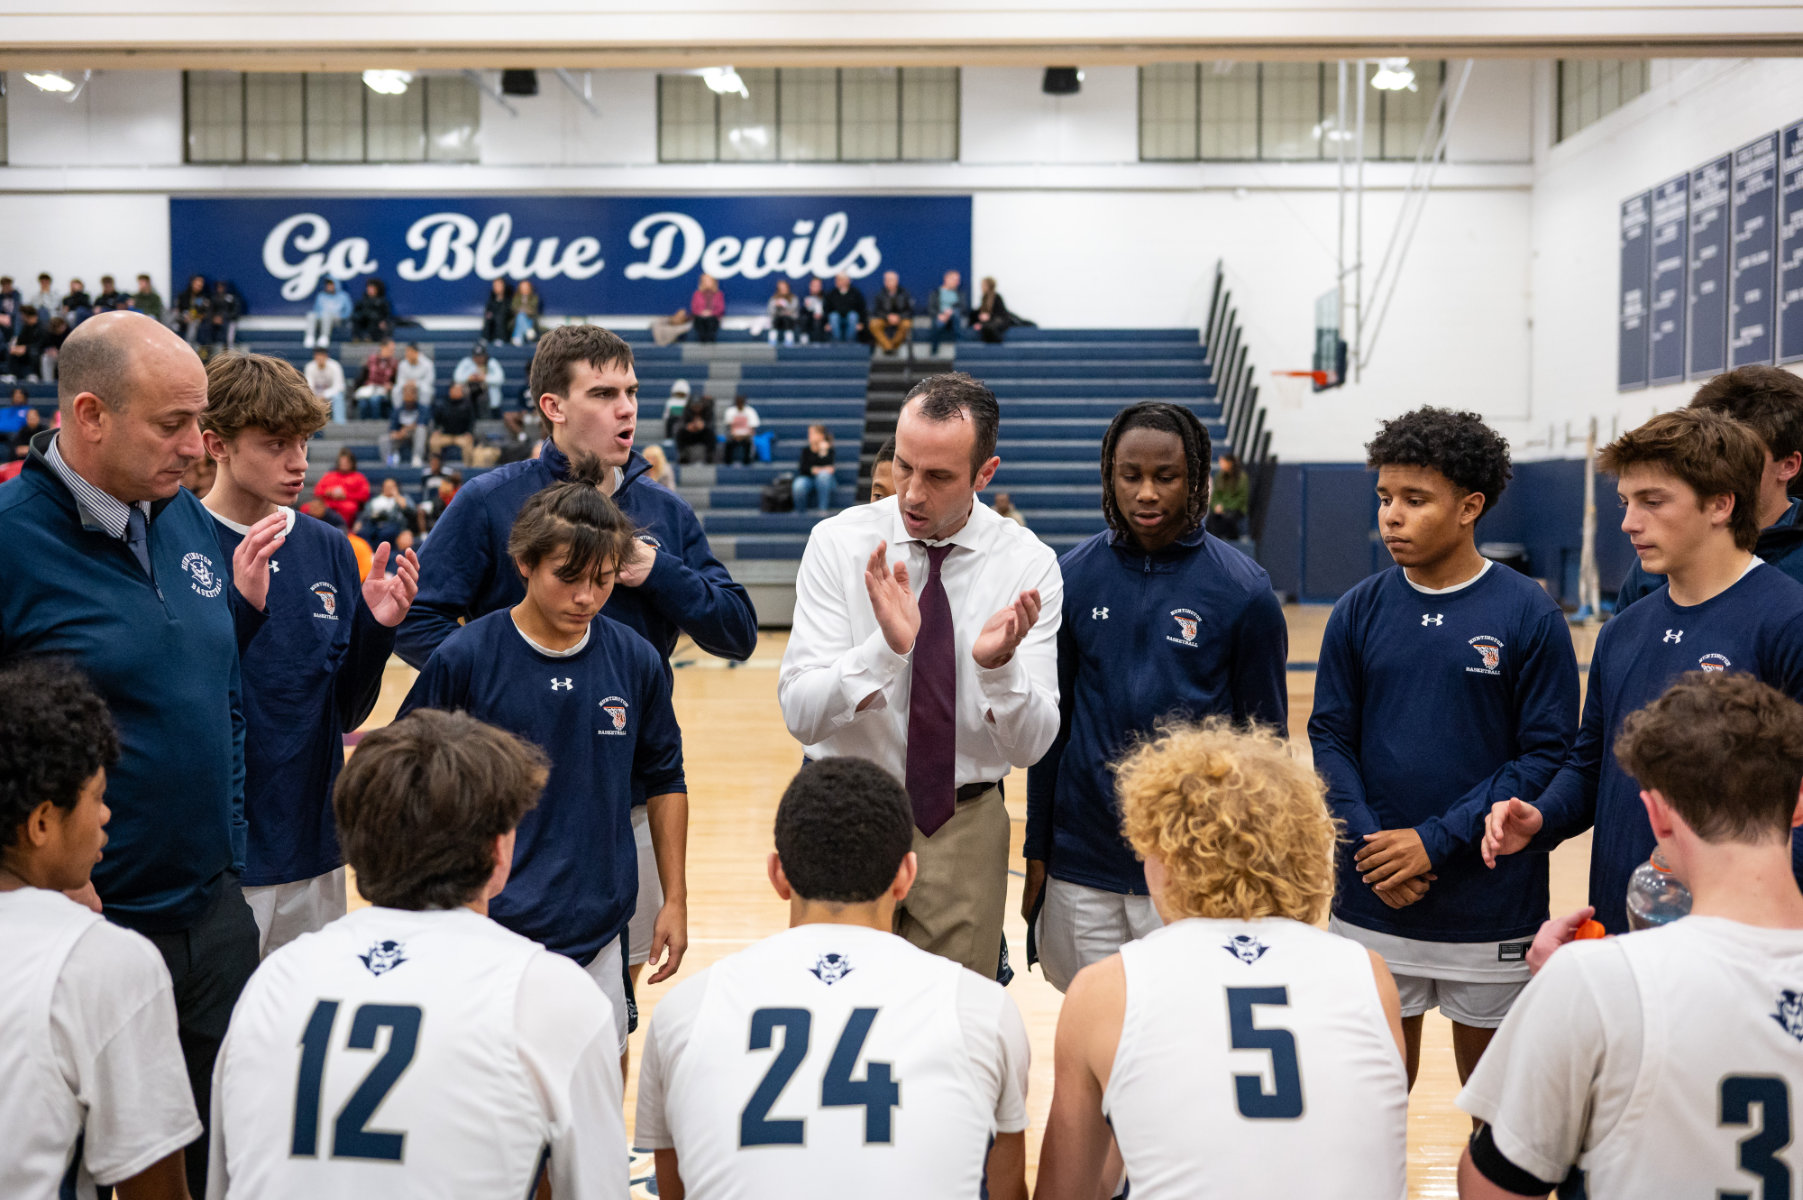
column 877, row 1093
column 351, row 1136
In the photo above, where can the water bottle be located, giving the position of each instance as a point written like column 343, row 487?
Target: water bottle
column 1656, row 896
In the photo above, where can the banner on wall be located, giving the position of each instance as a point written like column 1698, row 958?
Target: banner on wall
column 1752, row 310
column 1636, row 265
column 585, row 254
column 1707, row 313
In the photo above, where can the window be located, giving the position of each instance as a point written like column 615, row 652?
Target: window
column 1280, row 111
column 1592, row 88
column 863, row 114
column 269, row 116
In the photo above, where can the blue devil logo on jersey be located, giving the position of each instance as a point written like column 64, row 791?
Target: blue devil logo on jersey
column 1790, row 1013
column 831, row 968
column 1246, row 948
column 383, row 957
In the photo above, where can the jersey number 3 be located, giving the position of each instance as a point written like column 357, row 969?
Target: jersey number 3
column 877, row 1093
column 351, row 1135
column 1759, row 1149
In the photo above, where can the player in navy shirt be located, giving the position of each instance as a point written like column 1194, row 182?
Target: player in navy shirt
column 314, row 669
column 1445, row 684
column 1769, row 401
column 1160, row 619
column 1687, row 481
column 595, row 696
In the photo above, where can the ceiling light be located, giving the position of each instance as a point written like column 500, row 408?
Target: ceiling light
column 1394, row 75
column 49, row 81
column 388, row 83
column 723, row 81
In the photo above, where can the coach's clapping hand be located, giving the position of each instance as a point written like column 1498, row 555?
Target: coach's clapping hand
column 897, row 611
column 1004, row 631
column 1509, row 828
column 388, row 597
column 250, row 561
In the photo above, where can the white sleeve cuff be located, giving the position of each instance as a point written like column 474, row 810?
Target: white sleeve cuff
column 870, row 666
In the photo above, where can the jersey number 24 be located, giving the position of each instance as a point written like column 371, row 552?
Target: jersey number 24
column 877, row 1093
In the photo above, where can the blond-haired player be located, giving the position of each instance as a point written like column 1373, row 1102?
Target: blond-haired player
column 1237, row 1051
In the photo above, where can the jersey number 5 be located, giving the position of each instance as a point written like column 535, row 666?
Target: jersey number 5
column 1759, row 1150
column 1284, row 1101
column 877, row 1093
column 351, row 1137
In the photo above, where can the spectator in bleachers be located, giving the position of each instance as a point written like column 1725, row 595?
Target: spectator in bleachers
column 25, row 355
column 948, row 303
column 408, row 426
column 1230, row 497
column 375, row 382
column 707, row 306
column 661, row 471
column 814, row 473
column 454, row 422
column 696, row 440
column 326, row 377
column 525, row 307
column 482, row 378
column 674, row 406
column 76, row 305
column 882, row 473
column 673, row 328
column 46, row 299
column 741, row 427
column 10, row 304
column 199, row 476
column 417, row 369
column 845, row 309
column 813, row 312
column 388, row 512
column 784, row 309
column 221, row 326
column 892, row 315
column 54, row 338
column 372, row 317
column 319, row 510
column 497, row 314
column 440, row 485
column 146, row 299
column 188, row 311
column 110, row 298
column 330, row 307
column 990, row 319
column 344, row 488
column 517, row 442
column 1004, row 507
column 34, row 425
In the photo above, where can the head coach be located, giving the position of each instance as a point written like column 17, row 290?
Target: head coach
column 112, row 566
column 925, row 640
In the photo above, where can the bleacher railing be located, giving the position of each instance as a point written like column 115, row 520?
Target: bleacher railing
column 1232, row 374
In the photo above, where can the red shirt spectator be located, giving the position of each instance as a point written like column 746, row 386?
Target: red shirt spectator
column 344, row 489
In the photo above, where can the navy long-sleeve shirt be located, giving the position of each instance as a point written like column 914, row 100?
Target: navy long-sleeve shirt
column 312, row 673
column 1189, row 632
column 1754, row 626
column 162, row 650
column 603, row 717
column 465, row 571
column 1429, row 708
column 1780, row 544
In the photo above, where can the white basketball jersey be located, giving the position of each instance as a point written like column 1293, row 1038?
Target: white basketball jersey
column 831, row 1062
column 379, row 1057
column 1717, row 1102
column 1255, row 1060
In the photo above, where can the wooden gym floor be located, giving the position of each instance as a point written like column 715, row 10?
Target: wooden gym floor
column 739, row 757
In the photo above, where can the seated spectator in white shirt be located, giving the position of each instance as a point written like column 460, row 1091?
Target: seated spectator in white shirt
column 326, row 377
column 482, row 379
column 417, row 369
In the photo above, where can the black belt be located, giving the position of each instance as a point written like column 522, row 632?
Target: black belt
column 971, row 791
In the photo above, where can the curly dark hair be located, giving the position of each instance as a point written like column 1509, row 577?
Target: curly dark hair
column 1198, row 452
column 1457, row 444
column 55, row 733
column 842, row 830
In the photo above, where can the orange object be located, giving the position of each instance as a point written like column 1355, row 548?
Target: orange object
column 1590, row 929
column 365, row 556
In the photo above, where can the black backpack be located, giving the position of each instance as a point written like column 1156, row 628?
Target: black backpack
column 779, row 494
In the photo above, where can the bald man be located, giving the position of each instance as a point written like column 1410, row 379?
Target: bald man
column 111, row 564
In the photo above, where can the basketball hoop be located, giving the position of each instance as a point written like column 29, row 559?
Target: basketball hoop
column 1318, row 377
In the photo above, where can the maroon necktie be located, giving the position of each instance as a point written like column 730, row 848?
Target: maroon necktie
column 932, row 705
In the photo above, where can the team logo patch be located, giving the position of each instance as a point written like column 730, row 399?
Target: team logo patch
column 831, row 968
column 328, row 600
column 650, row 539
column 383, row 957
column 1433, row 619
column 1674, row 636
column 1187, row 624
column 1790, row 1013
column 1714, row 662
column 616, row 709
column 1246, row 948
column 1490, row 650
column 202, row 576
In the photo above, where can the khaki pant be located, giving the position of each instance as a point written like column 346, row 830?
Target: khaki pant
column 889, row 337
column 955, row 908
column 438, row 441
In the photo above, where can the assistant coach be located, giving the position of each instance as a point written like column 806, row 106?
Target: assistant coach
column 925, row 639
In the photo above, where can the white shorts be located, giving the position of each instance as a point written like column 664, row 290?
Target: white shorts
column 284, row 911
column 1473, row 983
column 609, row 975
column 1081, row 925
column 651, row 891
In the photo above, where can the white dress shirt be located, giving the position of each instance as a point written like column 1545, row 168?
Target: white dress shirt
column 837, row 654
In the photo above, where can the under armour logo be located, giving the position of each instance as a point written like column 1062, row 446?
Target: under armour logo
column 1098, row 614
column 1673, row 635
column 1433, row 618
column 274, row 567
column 563, row 685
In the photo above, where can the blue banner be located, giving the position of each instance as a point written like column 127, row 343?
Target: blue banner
column 1707, row 315
column 585, row 254
column 1790, row 243
column 1752, row 312
column 1636, row 267
column 1671, row 211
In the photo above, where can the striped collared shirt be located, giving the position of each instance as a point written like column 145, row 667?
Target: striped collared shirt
column 98, row 510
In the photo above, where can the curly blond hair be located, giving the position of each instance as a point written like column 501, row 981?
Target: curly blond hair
column 1241, row 827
